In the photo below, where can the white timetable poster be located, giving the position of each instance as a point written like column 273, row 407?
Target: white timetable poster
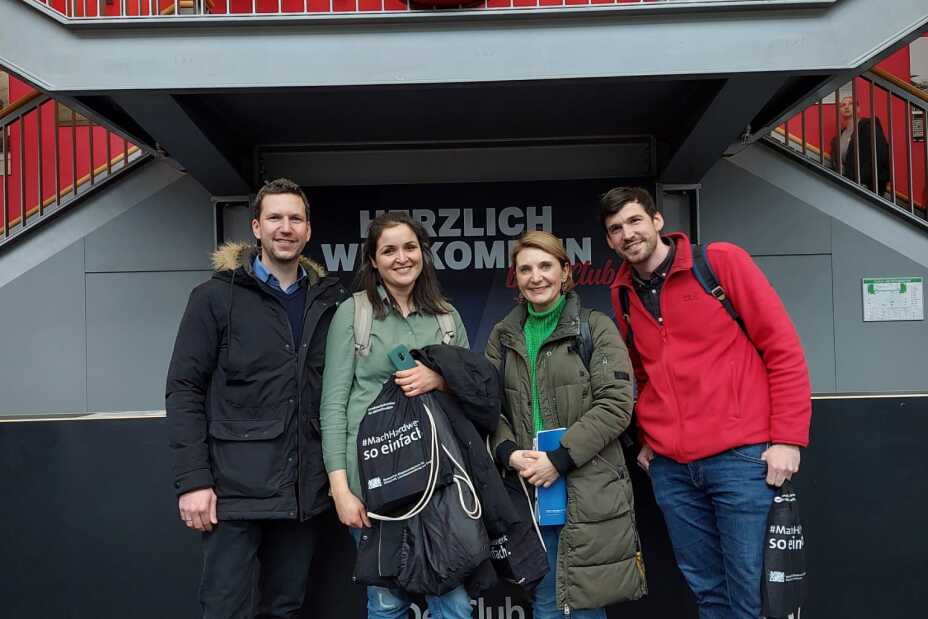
column 893, row 298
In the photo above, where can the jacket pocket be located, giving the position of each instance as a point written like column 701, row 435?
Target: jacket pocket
column 751, row 453
column 241, row 394
column 733, row 386
column 247, row 456
column 597, row 491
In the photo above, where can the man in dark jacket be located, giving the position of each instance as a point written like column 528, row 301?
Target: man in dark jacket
column 844, row 148
column 243, row 393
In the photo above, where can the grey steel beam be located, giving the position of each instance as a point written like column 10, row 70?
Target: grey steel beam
column 718, row 125
column 831, row 84
column 259, row 54
column 189, row 139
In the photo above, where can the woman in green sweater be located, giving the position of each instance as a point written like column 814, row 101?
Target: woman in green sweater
column 399, row 280
column 594, row 558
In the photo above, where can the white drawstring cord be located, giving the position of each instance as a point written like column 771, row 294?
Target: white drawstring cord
column 432, row 482
column 528, row 499
column 531, row 508
column 475, row 512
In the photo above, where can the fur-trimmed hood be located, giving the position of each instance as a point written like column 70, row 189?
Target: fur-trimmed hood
column 232, row 256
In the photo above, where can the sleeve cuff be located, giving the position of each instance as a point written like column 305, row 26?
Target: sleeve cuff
column 194, row 480
column 561, row 460
column 793, row 442
column 335, row 462
column 503, row 451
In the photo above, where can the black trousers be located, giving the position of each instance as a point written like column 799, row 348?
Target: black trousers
column 256, row 569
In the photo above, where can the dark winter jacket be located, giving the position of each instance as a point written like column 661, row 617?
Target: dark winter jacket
column 473, row 409
column 866, row 127
column 243, row 397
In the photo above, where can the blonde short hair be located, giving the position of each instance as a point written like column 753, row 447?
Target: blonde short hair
column 550, row 244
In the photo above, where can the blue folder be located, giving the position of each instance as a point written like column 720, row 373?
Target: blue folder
column 551, row 502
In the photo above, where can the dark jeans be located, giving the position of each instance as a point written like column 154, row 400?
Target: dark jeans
column 276, row 553
column 716, row 512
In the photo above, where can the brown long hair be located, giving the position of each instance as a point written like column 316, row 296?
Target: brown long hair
column 426, row 292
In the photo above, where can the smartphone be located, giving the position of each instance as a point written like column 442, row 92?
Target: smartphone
column 401, row 358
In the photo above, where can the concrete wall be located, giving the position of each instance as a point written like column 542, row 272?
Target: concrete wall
column 816, row 241
column 91, row 328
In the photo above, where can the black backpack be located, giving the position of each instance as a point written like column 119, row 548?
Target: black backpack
column 704, row 274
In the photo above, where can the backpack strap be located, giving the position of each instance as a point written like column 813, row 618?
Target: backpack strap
column 585, row 337
column 620, row 301
column 447, row 326
column 363, row 322
column 704, row 274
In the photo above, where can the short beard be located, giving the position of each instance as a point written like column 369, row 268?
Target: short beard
column 649, row 247
column 265, row 252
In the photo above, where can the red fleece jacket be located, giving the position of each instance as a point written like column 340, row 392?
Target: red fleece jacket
column 703, row 386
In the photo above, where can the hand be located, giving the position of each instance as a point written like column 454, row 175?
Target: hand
column 521, row 458
column 644, row 458
column 351, row 511
column 198, row 509
column 540, row 472
column 419, row 380
column 782, row 463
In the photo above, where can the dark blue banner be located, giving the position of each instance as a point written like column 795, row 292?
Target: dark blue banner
column 473, row 227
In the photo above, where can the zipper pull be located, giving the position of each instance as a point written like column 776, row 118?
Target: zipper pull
column 566, row 610
column 639, row 562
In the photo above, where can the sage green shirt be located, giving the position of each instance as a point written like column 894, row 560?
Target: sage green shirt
column 350, row 383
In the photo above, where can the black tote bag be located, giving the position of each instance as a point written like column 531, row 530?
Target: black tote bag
column 395, row 450
column 784, row 586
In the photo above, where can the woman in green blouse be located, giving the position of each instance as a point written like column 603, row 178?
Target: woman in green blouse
column 399, row 279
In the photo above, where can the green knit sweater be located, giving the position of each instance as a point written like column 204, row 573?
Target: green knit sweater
column 538, row 327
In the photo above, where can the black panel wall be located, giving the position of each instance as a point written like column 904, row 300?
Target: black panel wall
column 90, row 530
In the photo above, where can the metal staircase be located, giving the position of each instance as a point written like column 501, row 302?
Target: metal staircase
column 51, row 157
column 891, row 115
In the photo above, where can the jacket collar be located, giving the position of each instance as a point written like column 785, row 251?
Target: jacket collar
column 567, row 326
column 240, row 257
column 683, row 261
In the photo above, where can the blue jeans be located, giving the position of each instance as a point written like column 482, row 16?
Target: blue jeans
column 384, row 603
column 716, row 512
column 544, row 600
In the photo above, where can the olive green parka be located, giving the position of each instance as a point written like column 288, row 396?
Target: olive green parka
column 599, row 557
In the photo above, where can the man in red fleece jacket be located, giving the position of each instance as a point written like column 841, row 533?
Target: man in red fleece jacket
column 722, row 409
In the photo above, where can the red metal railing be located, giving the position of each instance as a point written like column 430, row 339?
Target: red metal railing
column 81, row 9
column 49, row 157
column 886, row 155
